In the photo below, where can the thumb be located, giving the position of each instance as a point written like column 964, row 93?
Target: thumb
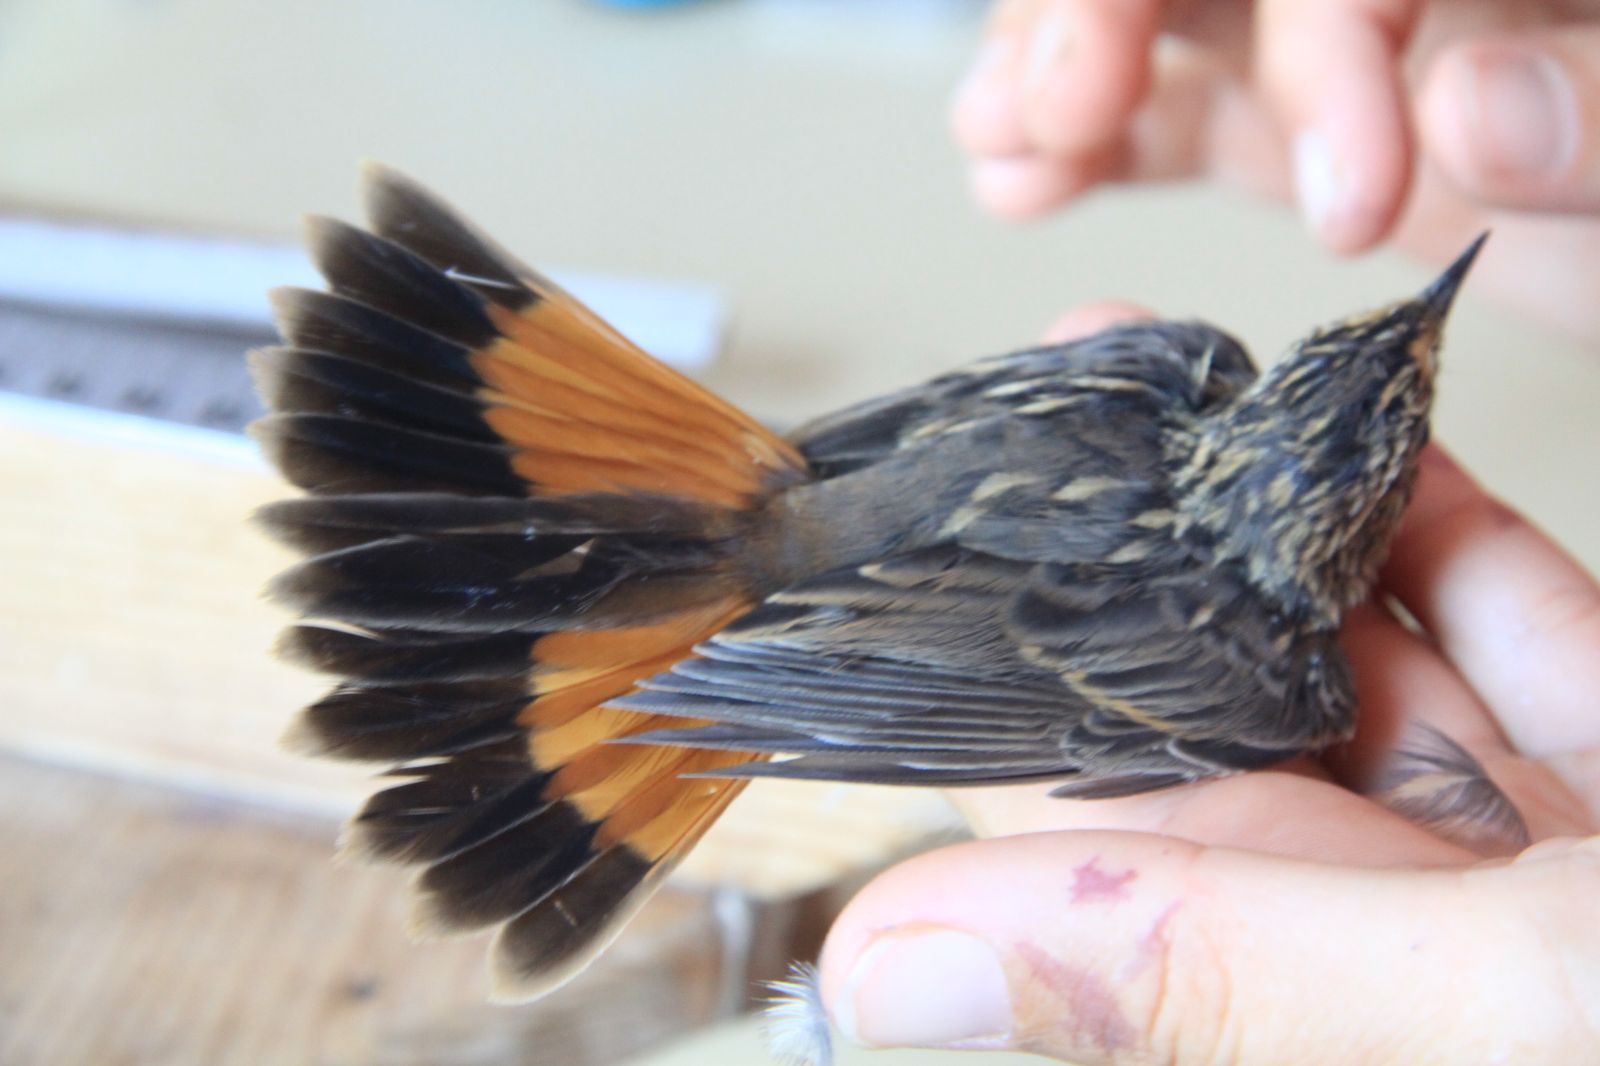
column 1099, row 947
column 1513, row 119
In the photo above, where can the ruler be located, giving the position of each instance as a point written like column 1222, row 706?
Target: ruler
column 157, row 325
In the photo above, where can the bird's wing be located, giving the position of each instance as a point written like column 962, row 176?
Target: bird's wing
column 949, row 666
column 1200, row 365
column 1195, row 662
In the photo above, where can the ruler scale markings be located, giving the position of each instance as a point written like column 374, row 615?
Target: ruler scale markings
column 157, row 325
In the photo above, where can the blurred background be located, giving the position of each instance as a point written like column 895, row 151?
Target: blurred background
column 760, row 190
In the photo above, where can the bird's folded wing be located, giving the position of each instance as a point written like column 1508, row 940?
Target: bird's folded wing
column 1189, row 362
column 952, row 667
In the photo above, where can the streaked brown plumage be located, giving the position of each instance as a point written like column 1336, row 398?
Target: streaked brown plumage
column 576, row 601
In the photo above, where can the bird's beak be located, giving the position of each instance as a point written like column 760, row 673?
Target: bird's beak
column 1433, row 305
column 1438, row 297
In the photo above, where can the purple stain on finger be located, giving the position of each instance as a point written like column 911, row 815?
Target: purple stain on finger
column 1151, row 946
column 1090, row 884
column 1072, row 1000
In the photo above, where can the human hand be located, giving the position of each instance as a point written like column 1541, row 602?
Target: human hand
column 1290, row 915
column 1422, row 122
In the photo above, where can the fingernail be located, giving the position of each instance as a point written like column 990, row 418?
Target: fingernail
column 1048, row 47
column 1316, row 178
column 931, row 988
column 1522, row 114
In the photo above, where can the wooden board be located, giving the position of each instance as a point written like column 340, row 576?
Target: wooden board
column 133, row 637
column 146, row 925
column 132, row 630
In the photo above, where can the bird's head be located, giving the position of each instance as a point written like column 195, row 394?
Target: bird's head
column 1304, row 477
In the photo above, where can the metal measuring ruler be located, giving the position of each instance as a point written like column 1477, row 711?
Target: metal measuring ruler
column 158, row 325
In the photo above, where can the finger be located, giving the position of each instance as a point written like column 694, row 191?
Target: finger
column 1514, row 118
column 1099, row 947
column 1056, row 77
column 1092, row 318
column 1512, row 611
column 1197, row 120
column 1426, row 747
column 1283, row 812
column 986, row 110
column 1086, row 71
column 1018, row 187
column 1330, row 69
column 1201, row 119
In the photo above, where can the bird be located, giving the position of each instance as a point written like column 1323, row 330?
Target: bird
column 573, row 602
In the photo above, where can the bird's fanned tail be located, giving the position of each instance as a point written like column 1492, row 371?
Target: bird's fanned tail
column 513, row 515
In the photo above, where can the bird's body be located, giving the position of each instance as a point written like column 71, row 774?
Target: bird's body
column 577, row 601
column 1026, row 526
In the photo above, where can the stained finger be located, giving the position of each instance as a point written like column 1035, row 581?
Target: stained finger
column 1101, row 947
